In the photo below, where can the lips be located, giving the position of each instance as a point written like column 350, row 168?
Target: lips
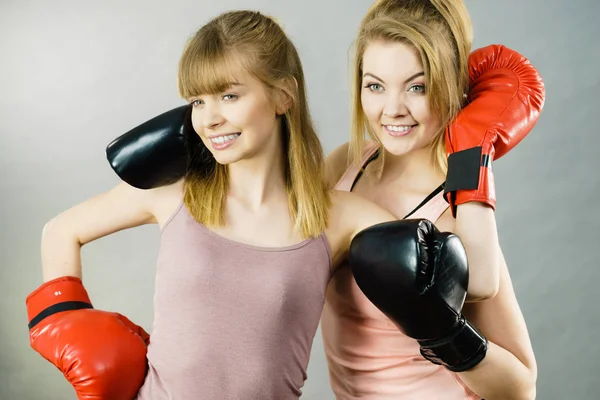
column 222, row 142
column 399, row 130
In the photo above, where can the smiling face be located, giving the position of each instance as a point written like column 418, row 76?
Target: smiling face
column 238, row 122
column 244, row 79
column 393, row 97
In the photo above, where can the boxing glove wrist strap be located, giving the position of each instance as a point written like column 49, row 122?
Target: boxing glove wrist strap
column 464, row 169
column 56, row 308
column 470, row 178
column 61, row 294
column 461, row 351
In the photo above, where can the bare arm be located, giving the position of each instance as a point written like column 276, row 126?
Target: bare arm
column 509, row 370
column 120, row 208
column 475, row 225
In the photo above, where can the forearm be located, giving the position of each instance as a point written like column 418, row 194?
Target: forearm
column 500, row 375
column 476, row 227
column 61, row 252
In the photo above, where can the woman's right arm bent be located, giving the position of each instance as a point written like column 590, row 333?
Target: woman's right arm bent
column 119, row 208
column 509, row 370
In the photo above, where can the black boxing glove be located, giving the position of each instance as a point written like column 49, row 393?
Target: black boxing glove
column 418, row 277
column 154, row 153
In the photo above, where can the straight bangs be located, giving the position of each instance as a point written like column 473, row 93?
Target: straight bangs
column 210, row 68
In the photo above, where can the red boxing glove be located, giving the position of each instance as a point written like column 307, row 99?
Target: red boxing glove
column 102, row 354
column 506, row 98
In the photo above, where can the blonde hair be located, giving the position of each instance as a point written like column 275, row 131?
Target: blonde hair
column 258, row 44
column 440, row 32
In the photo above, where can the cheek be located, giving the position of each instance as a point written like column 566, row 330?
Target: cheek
column 422, row 114
column 197, row 122
column 371, row 106
column 260, row 118
column 419, row 109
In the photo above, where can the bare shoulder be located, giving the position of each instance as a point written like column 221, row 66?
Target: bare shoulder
column 159, row 202
column 336, row 164
column 165, row 200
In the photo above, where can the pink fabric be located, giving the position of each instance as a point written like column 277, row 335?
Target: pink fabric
column 232, row 321
column 368, row 356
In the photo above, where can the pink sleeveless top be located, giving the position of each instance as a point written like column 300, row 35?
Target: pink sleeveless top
column 367, row 355
column 231, row 320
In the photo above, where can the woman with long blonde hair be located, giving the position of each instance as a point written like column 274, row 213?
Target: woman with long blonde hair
column 429, row 117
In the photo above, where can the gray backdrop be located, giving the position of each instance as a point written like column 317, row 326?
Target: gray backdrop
column 75, row 74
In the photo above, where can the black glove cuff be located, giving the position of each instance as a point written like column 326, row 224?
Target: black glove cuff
column 460, row 351
column 464, row 169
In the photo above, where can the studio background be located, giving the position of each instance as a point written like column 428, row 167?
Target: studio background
column 76, row 74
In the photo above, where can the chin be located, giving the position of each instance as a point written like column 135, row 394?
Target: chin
column 226, row 159
column 397, row 146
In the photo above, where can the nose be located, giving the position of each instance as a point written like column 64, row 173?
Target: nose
column 212, row 117
column 395, row 106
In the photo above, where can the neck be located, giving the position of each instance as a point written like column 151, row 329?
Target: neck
column 259, row 179
column 414, row 170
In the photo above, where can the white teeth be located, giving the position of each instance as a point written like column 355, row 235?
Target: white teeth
column 223, row 139
column 398, row 128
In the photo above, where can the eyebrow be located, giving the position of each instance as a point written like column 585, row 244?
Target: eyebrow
column 418, row 74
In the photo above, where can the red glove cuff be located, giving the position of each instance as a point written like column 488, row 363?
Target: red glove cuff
column 60, row 294
column 485, row 194
column 470, row 178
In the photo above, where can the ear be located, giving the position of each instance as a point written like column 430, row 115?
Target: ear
column 284, row 104
column 286, row 95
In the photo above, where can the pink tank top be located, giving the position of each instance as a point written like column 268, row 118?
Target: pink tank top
column 367, row 355
column 231, row 320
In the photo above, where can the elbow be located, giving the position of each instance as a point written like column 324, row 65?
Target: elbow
column 525, row 389
column 49, row 228
column 529, row 391
column 58, row 228
column 489, row 292
column 529, row 385
column 485, row 291
column 484, row 285
column 52, row 229
column 531, row 394
column 59, row 250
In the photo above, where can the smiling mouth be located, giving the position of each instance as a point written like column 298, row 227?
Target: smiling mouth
column 399, row 130
column 225, row 138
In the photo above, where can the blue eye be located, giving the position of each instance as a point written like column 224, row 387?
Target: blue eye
column 374, row 87
column 417, row 88
column 196, row 103
column 230, row 97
